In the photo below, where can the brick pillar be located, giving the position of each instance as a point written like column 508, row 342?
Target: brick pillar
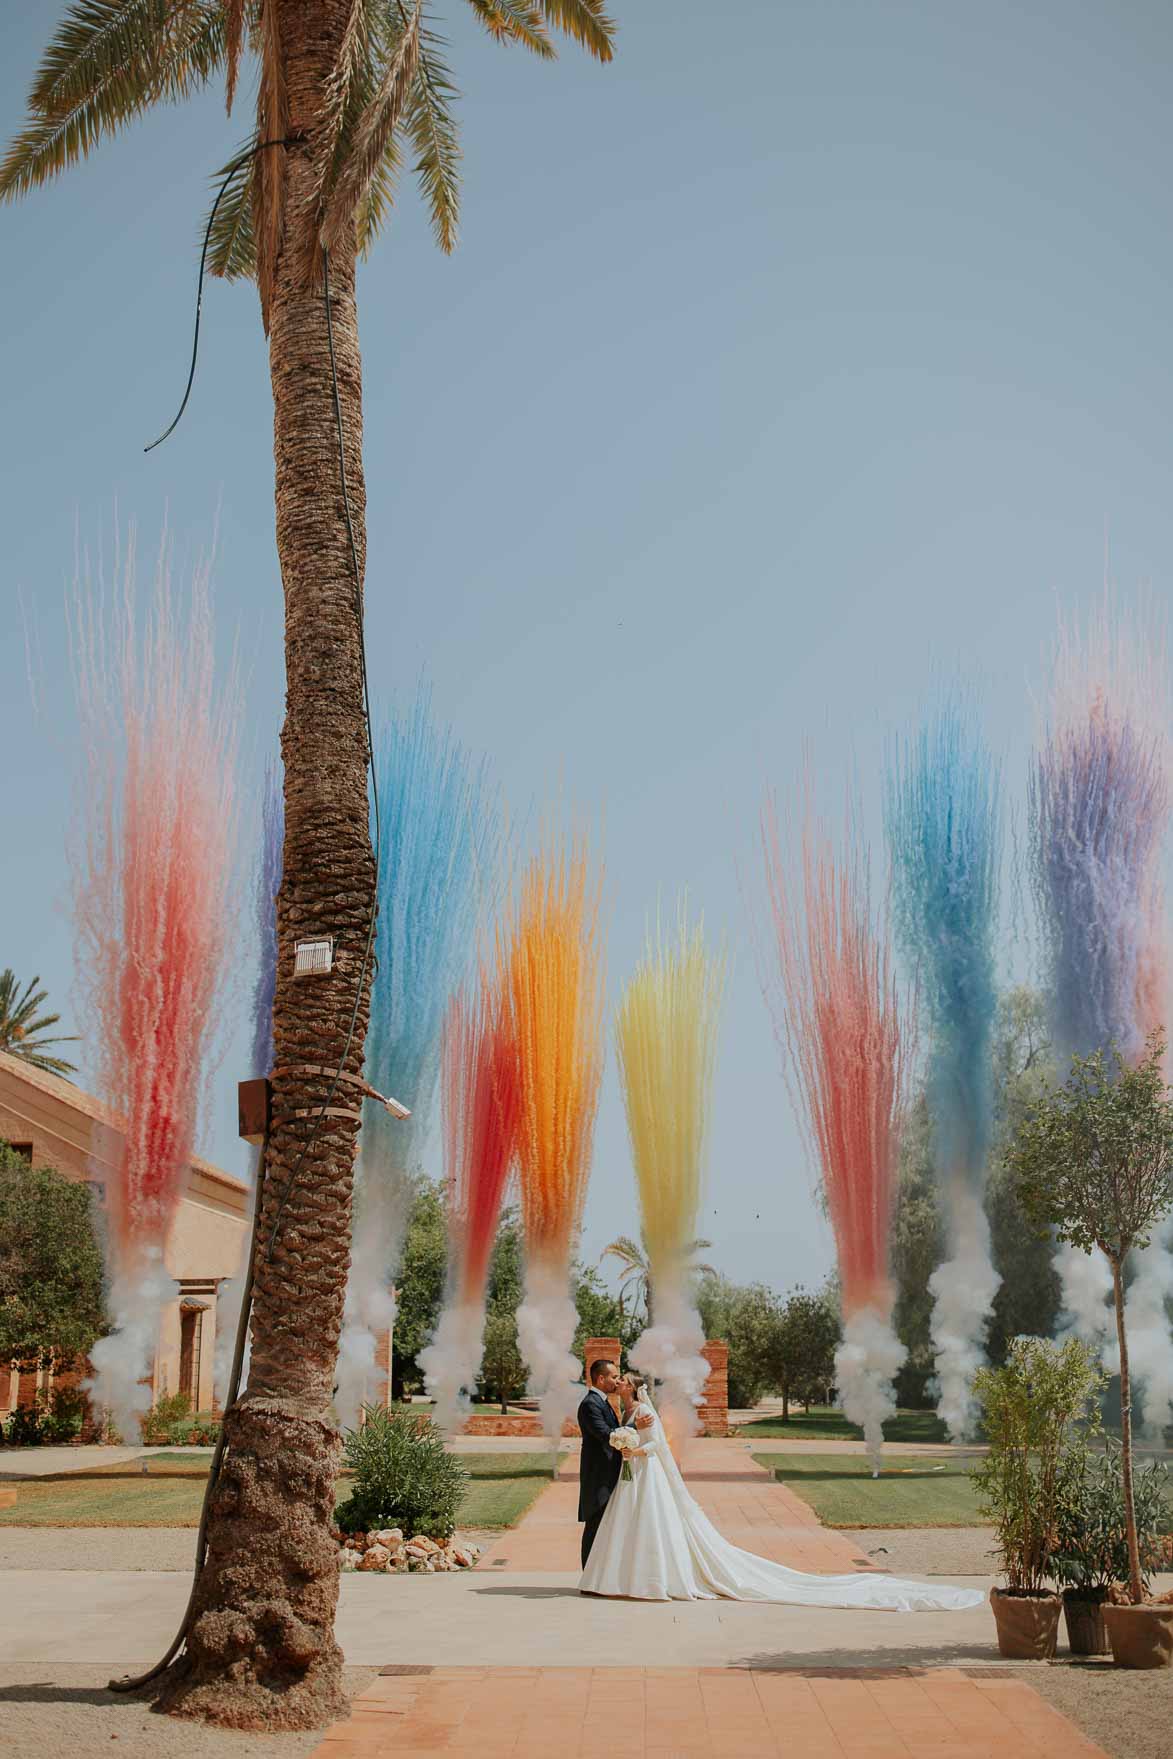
column 381, row 1392
column 714, row 1411
column 598, row 1350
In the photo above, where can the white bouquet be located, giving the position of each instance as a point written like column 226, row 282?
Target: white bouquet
column 623, row 1440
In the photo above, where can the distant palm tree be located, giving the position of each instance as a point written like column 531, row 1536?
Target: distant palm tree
column 636, row 1271
column 23, row 1030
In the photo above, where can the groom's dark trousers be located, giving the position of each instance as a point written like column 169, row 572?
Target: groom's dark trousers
column 598, row 1468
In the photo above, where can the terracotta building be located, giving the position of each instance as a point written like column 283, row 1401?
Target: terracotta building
column 51, row 1123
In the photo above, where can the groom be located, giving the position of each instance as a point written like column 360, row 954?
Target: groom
column 599, row 1464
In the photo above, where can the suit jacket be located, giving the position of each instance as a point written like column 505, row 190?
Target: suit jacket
column 600, row 1464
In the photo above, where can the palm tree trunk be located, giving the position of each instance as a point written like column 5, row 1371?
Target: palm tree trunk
column 261, row 1651
column 1135, row 1583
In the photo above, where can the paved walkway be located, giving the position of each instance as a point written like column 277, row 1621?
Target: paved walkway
column 739, row 1496
column 733, row 1680
column 702, row 1713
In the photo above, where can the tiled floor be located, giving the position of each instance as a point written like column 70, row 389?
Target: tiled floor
column 703, row 1713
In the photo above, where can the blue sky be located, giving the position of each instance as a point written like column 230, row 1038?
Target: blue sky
column 801, row 351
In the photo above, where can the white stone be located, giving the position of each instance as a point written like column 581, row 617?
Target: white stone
column 390, row 1537
column 348, row 1559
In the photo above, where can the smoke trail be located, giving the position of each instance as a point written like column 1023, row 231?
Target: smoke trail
column 943, row 825
column 552, row 970
column 963, row 1291
column 480, row 1105
column 838, row 1022
column 666, row 1038
column 266, row 885
column 151, row 888
column 1150, row 1348
column 866, row 1364
column 1100, row 806
column 438, row 850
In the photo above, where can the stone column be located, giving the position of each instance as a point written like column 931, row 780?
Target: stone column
column 714, row 1411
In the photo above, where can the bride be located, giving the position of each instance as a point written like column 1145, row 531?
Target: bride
column 656, row 1543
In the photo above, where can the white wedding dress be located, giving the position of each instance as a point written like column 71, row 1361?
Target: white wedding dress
column 656, row 1543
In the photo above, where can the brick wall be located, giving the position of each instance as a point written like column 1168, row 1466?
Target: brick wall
column 714, row 1411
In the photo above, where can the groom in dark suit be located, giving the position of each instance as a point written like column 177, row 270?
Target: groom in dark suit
column 599, row 1464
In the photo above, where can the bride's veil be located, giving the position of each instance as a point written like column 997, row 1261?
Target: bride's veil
column 664, row 1453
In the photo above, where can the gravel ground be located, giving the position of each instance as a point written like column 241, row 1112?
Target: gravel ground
column 925, row 1551
column 119, row 1548
column 51, row 1711
column 1130, row 1715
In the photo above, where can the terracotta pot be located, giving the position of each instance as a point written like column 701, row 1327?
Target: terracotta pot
column 1141, row 1636
column 1083, row 1611
column 1028, row 1624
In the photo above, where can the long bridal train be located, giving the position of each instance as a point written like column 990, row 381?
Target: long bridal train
column 656, row 1543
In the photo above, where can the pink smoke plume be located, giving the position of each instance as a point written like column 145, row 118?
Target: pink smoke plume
column 838, row 1019
column 152, row 875
column 481, row 1103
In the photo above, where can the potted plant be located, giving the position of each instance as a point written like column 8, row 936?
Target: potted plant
column 1093, row 1160
column 1091, row 1551
column 1037, row 1413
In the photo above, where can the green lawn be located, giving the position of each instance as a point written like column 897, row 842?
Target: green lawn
column 910, row 1491
column 823, row 1423
column 501, row 1488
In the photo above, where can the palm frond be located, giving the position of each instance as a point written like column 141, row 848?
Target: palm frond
column 352, row 50
column 586, row 21
column 432, row 130
column 234, row 11
column 516, row 21
column 379, row 200
column 372, row 136
column 108, row 62
column 232, row 250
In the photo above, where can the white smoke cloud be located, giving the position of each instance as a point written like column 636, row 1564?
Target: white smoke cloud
column 451, row 1362
column 670, row 1352
column 1150, row 1342
column 1086, row 1283
column 122, row 1361
column 546, row 1323
column 378, row 1230
column 866, row 1363
column 963, row 1291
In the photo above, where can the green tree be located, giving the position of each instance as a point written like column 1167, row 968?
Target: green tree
column 635, row 1270
column 50, row 1265
column 25, row 1032
column 748, row 1319
column 420, row 1284
column 1028, row 1301
column 808, row 1335
column 1093, row 1160
column 601, row 1314
column 503, row 1369
column 344, row 90
column 918, row 1247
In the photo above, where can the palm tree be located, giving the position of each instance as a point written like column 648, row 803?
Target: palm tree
column 22, row 1029
column 344, row 89
column 635, row 1271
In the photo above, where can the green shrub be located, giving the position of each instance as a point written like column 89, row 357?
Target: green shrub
column 158, row 1423
column 402, row 1477
column 1091, row 1540
column 24, row 1428
column 1037, row 1414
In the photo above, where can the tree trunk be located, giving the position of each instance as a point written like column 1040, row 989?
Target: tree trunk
column 1135, row 1584
column 785, row 1404
column 261, row 1651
